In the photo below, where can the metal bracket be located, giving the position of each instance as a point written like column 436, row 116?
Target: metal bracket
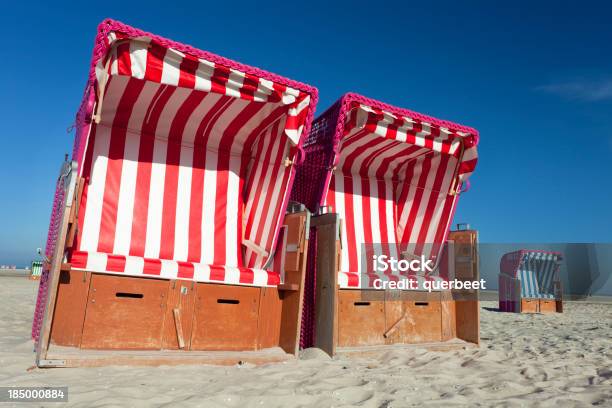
column 52, row 363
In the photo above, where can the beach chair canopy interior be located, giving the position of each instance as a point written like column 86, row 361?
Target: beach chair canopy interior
column 187, row 161
column 393, row 176
column 538, row 271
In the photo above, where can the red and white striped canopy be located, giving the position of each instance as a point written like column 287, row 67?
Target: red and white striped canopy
column 187, row 159
column 396, row 179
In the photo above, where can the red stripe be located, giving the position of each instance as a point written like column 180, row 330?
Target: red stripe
column 187, row 72
column 246, row 275
column 249, row 87
column 219, row 79
column 155, row 62
column 124, row 63
column 173, row 158
column 350, row 223
column 416, row 202
column 185, row 270
column 152, row 267
column 87, row 163
column 116, row 152
column 217, row 273
column 143, row 174
column 78, row 259
column 195, row 208
column 223, row 167
column 432, row 202
column 115, row 263
column 266, row 196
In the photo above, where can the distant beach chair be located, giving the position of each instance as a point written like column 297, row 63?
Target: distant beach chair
column 381, row 175
column 36, row 270
column 172, row 228
column 529, row 282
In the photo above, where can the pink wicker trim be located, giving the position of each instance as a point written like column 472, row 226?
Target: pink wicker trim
column 353, row 97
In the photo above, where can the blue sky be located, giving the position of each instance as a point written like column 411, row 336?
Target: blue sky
column 536, row 80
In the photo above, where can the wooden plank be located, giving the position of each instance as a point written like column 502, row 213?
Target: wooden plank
column 295, row 233
column 548, row 306
column 181, row 296
column 295, row 274
column 559, row 296
column 468, row 320
column 74, row 357
column 124, row 313
column 58, row 255
column 69, row 312
column 394, row 316
column 74, row 213
column 225, row 317
column 326, row 285
column 179, row 328
column 529, row 305
column 394, row 326
column 448, row 316
column 424, row 321
column 379, row 351
column 361, row 317
column 269, row 319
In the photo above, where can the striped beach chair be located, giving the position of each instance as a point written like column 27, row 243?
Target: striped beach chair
column 176, row 234
column 529, row 282
column 36, row 270
column 386, row 181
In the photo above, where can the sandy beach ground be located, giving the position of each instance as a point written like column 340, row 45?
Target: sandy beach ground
column 524, row 360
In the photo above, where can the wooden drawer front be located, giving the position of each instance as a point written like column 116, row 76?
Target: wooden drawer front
column 361, row 322
column 124, row 313
column 69, row 313
column 423, row 322
column 529, row 305
column 548, row 306
column 225, row 317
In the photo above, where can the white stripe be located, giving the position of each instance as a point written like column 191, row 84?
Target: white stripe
column 95, row 191
column 208, row 206
column 231, row 215
column 156, row 199
column 169, row 269
column 358, row 221
column 127, row 190
column 183, row 197
column 134, row 265
column 138, row 58
column 96, row 261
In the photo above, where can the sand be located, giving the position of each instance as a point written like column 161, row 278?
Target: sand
column 525, row 360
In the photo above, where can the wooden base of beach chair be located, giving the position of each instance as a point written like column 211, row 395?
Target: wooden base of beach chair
column 529, row 306
column 61, row 356
column 375, row 351
column 543, row 306
column 100, row 319
column 352, row 319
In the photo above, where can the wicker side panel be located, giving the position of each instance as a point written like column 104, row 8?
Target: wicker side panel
column 54, row 225
column 319, row 150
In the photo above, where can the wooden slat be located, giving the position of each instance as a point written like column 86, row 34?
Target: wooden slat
column 56, row 261
column 69, row 313
column 295, row 274
column 326, row 307
column 179, row 328
column 74, row 357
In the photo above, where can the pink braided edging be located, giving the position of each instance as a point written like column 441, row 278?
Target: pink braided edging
column 54, row 224
column 308, row 328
